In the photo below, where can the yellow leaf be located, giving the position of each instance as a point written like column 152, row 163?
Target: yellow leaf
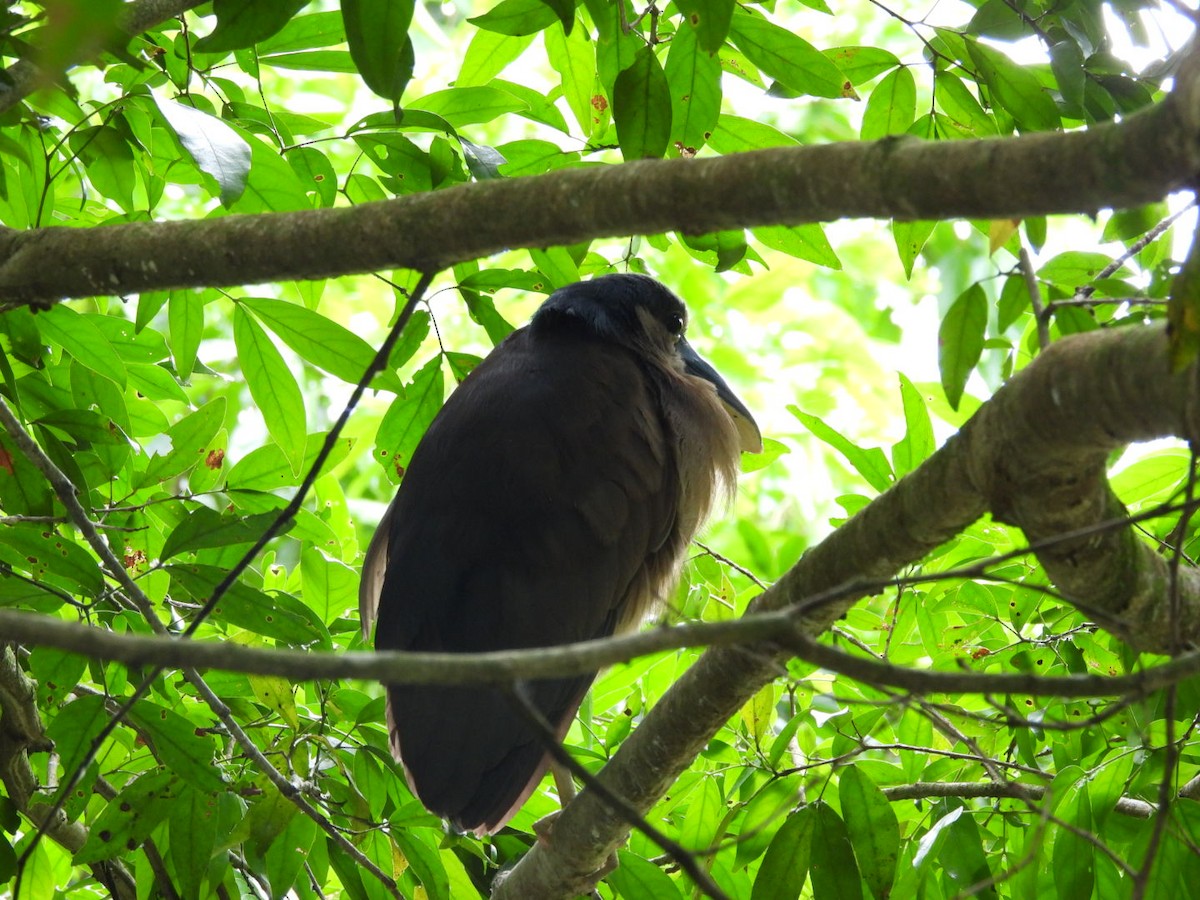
column 275, row 693
column 999, row 231
column 759, row 712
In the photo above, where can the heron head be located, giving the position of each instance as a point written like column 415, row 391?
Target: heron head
column 643, row 315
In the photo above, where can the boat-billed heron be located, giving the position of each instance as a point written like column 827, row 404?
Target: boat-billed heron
column 552, row 500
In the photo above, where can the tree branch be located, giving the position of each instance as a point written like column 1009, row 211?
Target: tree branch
column 21, row 733
column 1035, row 456
column 24, row 76
column 782, row 628
column 1136, row 161
column 924, row 790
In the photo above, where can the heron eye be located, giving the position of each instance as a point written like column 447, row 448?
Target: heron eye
column 675, row 325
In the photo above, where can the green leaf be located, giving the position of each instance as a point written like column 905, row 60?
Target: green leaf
column 408, row 417
column 377, row 32
column 834, row 871
column 1074, row 269
column 215, row 147
column 84, row 426
column 267, row 469
column 185, row 317
column 74, row 728
column 205, row 528
column 861, row 64
column 892, row 106
column 516, row 18
column 636, row 878
column 46, row 555
column 873, row 830
column 960, row 341
column 1067, row 62
column 155, row 383
column 806, row 242
column 768, row 809
column 286, row 854
column 79, row 337
column 694, row 79
column 734, row 134
column 243, row 23
column 314, row 60
column 771, row 451
column 38, row 878
column 918, row 444
column 870, row 463
column 1014, row 300
column 8, row 860
column 642, row 108
column 1127, row 224
column 574, row 59
column 315, row 172
column 190, row 439
column 245, row 607
column 710, row 20
column 320, row 29
column 275, row 694
column 318, row 340
column 616, row 45
column 425, row 861
column 488, row 55
column 272, row 385
column 787, row 57
column 109, row 161
column 910, row 238
column 1074, row 858
column 1108, row 785
column 272, row 184
column 130, row 817
column 176, row 743
column 957, row 102
column 705, row 811
column 1015, row 89
column 469, row 105
column 964, row 860
column 482, row 310
column 565, row 10
column 330, row 587
column 785, row 866
column 193, row 830
column 57, row 672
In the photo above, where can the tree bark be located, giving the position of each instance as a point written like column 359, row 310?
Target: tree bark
column 1129, row 163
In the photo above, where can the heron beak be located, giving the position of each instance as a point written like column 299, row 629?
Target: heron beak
column 749, row 436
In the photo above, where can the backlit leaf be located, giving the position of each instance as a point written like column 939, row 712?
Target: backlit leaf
column 272, row 385
column 642, row 108
column 960, row 341
column 787, row 57
column 377, row 32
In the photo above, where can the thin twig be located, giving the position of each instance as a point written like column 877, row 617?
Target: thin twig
column 1035, row 298
column 1013, row 790
column 1132, row 250
column 499, row 667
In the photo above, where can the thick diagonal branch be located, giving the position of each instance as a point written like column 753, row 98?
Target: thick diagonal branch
column 1035, row 456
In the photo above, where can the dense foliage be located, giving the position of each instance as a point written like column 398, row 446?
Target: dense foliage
column 185, row 420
